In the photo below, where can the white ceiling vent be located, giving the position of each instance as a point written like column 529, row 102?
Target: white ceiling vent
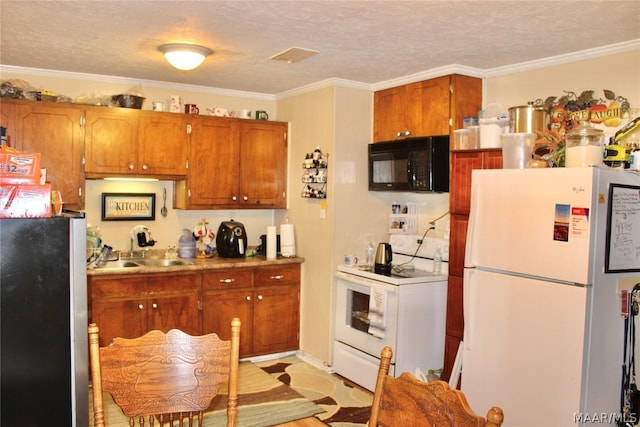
column 293, row 54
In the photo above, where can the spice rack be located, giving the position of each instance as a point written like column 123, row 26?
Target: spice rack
column 314, row 176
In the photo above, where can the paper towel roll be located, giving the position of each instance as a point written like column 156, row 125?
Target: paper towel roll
column 287, row 240
column 271, row 242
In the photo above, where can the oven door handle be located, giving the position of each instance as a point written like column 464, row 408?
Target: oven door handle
column 364, row 281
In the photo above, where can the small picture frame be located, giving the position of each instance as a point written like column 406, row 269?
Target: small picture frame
column 128, row 206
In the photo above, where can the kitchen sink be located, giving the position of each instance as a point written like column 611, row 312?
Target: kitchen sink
column 143, row 263
column 162, row 262
column 118, row 264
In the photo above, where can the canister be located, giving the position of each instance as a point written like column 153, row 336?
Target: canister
column 585, row 146
column 528, row 119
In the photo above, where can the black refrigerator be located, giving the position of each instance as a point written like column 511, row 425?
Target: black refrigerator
column 43, row 322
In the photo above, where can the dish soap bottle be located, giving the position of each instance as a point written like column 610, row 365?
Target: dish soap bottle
column 437, row 262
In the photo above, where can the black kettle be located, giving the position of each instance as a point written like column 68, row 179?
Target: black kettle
column 382, row 263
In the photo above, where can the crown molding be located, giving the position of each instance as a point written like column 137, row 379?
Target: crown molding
column 551, row 61
column 130, row 81
column 332, row 82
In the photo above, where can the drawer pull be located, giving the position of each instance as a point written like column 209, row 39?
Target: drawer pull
column 140, row 306
column 154, row 305
column 248, row 297
column 259, row 297
column 277, row 277
column 227, row 280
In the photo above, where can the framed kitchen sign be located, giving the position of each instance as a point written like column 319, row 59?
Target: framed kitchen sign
column 623, row 229
column 128, row 206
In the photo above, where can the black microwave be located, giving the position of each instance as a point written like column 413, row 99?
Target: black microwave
column 410, row 164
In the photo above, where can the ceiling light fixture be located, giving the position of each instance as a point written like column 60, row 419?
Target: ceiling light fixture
column 184, row 56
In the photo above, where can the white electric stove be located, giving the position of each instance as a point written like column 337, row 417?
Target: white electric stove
column 404, row 310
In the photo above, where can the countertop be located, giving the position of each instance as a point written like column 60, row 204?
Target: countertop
column 199, row 264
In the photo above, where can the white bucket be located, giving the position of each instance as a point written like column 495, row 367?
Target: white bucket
column 516, row 149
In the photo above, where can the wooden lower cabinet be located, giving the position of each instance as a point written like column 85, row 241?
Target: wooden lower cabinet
column 130, row 306
column 275, row 319
column 227, row 293
column 265, row 299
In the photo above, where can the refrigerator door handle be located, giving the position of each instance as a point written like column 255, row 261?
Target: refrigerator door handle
column 467, row 310
column 469, row 259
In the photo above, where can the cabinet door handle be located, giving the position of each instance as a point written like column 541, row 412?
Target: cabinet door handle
column 140, row 306
column 277, row 277
column 130, row 166
column 234, row 198
column 145, row 167
column 248, row 297
column 245, row 198
column 403, row 133
column 259, row 297
column 154, row 305
column 227, row 280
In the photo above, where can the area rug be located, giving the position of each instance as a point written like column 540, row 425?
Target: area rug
column 262, row 401
column 345, row 404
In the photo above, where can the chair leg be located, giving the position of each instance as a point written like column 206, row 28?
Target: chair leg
column 96, row 376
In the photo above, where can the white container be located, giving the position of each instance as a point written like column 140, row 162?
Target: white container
column 516, row 149
column 490, row 131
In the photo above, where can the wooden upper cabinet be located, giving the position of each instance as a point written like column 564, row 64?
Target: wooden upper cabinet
column 163, row 143
column 432, row 99
column 389, row 114
column 213, row 176
column 129, row 142
column 430, row 107
column 235, row 163
column 55, row 132
column 110, row 141
column 7, row 118
column 263, row 164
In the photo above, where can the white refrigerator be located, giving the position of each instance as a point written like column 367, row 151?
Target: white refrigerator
column 546, row 251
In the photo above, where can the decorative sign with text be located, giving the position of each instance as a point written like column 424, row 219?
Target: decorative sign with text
column 128, row 206
column 567, row 111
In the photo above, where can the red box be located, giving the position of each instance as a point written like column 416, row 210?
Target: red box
column 25, row 201
column 19, row 168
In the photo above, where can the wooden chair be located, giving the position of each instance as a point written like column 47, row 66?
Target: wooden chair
column 169, row 377
column 406, row 401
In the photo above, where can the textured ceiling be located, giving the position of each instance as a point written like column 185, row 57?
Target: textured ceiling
column 364, row 41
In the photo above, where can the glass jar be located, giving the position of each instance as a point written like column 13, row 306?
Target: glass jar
column 585, row 146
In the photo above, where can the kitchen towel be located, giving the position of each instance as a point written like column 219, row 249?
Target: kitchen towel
column 377, row 307
column 287, row 240
column 271, row 242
